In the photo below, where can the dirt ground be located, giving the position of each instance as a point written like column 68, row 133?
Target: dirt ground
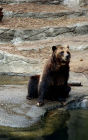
column 30, row 23
column 32, row 7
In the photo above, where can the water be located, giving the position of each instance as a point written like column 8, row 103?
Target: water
column 13, row 80
column 57, row 125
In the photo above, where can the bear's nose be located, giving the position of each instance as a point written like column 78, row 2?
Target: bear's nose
column 67, row 56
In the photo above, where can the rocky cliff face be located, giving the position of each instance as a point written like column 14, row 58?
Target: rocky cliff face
column 30, row 28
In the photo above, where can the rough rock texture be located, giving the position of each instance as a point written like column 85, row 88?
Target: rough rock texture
column 16, row 111
column 79, row 63
column 75, row 2
column 68, row 2
column 30, row 29
column 18, row 64
column 29, row 57
column 35, row 1
column 11, row 35
column 45, row 15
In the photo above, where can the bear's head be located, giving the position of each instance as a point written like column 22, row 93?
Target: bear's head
column 61, row 54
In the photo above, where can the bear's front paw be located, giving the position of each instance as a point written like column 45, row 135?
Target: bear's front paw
column 29, row 98
column 40, row 104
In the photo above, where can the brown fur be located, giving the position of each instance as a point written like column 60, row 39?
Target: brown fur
column 52, row 84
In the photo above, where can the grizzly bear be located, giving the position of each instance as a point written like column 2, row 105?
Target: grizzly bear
column 52, row 84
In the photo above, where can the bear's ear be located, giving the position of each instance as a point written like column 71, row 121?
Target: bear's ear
column 54, row 48
column 1, row 8
column 68, row 46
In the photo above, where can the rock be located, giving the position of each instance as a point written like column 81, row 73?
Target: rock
column 76, row 64
column 78, row 77
column 10, row 35
column 16, row 111
column 68, row 2
column 37, row 52
column 17, row 64
column 6, row 35
column 34, row 1
column 83, row 2
column 76, row 43
column 45, row 15
column 79, row 95
column 73, row 3
column 1, row 57
column 81, row 30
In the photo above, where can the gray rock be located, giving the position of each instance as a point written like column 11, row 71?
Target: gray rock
column 52, row 32
column 78, row 42
column 16, row 111
column 35, row 1
column 17, row 64
column 1, row 57
column 46, row 15
column 73, row 3
column 7, row 35
column 81, row 30
column 83, row 2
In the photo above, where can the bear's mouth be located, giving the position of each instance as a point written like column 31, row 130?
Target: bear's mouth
column 65, row 61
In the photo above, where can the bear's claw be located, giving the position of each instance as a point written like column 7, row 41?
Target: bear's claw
column 40, row 104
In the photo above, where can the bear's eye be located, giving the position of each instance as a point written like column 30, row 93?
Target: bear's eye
column 62, row 52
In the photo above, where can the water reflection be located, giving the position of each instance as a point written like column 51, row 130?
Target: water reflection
column 78, row 125
column 52, row 126
column 57, row 125
column 75, row 128
column 62, row 125
column 13, row 80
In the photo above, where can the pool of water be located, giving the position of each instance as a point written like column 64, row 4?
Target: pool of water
column 56, row 125
column 13, row 80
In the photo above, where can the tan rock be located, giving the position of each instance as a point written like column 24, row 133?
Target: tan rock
column 79, row 61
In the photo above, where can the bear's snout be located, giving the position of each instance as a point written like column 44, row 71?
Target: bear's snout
column 67, row 57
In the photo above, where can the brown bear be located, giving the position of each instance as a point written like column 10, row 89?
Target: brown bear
column 52, row 83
